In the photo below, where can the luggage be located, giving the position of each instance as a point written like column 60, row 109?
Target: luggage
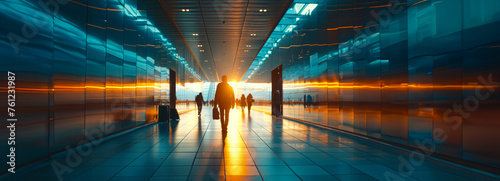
column 215, row 113
column 174, row 114
column 163, row 113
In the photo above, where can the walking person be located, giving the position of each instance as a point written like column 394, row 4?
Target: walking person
column 224, row 98
column 250, row 102
column 199, row 102
column 243, row 102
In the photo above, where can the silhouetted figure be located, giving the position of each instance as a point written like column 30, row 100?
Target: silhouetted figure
column 224, row 98
column 243, row 102
column 199, row 102
column 305, row 101
column 250, row 102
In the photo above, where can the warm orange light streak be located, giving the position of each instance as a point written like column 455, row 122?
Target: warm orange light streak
column 104, row 27
column 417, row 3
column 344, row 27
column 115, row 29
column 397, row 86
column 368, row 7
column 309, row 45
column 104, row 9
column 96, row 26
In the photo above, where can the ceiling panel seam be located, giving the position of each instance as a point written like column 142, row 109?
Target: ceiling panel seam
column 208, row 38
column 239, row 41
column 268, row 35
column 182, row 37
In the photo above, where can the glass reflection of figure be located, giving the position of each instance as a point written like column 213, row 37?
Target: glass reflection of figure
column 277, row 103
column 277, row 128
column 309, row 100
column 305, row 101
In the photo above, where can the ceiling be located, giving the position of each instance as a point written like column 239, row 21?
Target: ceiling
column 225, row 35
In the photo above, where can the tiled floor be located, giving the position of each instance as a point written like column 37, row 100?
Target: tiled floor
column 256, row 147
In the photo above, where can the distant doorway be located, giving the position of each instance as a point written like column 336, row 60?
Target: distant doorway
column 173, row 82
column 277, row 91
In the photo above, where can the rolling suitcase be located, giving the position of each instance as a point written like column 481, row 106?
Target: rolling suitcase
column 163, row 113
column 215, row 113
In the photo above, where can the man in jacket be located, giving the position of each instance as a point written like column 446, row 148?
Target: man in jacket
column 199, row 102
column 224, row 98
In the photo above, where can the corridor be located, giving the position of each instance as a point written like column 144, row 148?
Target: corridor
column 389, row 90
column 257, row 147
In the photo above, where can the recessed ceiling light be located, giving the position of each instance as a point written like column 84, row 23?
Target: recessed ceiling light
column 200, row 46
column 205, row 60
column 253, row 34
column 202, row 50
column 195, row 34
column 248, row 46
column 242, row 61
column 262, row 10
column 185, row 10
column 245, row 51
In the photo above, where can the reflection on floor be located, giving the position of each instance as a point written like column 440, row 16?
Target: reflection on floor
column 256, row 147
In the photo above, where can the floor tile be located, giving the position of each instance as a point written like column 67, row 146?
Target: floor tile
column 280, row 178
column 207, row 170
column 137, row 172
column 172, row 170
column 127, row 178
column 208, row 161
column 355, row 177
column 318, row 177
column 241, row 170
column 275, row 170
column 169, row 178
column 341, row 170
column 308, row 170
column 103, row 171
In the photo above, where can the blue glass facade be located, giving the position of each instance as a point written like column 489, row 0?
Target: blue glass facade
column 86, row 69
column 406, row 72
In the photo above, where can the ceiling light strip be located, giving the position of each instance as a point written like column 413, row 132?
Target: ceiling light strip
column 286, row 25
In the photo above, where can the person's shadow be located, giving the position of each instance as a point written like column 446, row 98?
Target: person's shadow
column 200, row 135
column 224, row 136
column 173, row 125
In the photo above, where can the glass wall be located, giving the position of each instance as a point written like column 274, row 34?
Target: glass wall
column 406, row 72
column 85, row 69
